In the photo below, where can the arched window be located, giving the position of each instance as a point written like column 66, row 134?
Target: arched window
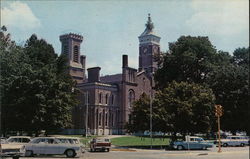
column 76, row 53
column 100, row 97
column 131, row 97
column 106, row 119
column 112, row 99
column 106, row 99
column 100, row 119
column 97, row 118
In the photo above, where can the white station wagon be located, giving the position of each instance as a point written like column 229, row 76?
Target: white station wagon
column 235, row 141
column 52, row 146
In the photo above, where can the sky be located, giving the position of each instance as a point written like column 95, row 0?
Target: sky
column 111, row 28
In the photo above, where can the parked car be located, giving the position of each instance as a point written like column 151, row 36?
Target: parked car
column 13, row 146
column 192, row 142
column 51, row 146
column 18, row 139
column 101, row 144
column 71, row 140
column 235, row 141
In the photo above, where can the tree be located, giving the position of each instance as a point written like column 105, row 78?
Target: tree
column 140, row 115
column 241, row 57
column 36, row 86
column 14, row 66
column 185, row 108
column 189, row 59
column 230, row 84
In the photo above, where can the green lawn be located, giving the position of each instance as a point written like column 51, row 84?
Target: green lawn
column 131, row 141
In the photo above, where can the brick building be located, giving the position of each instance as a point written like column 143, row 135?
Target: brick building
column 108, row 99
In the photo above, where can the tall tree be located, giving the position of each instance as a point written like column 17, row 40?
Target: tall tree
column 185, row 107
column 37, row 87
column 230, row 84
column 189, row 59
column 140, row 115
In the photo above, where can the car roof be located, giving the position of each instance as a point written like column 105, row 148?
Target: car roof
column 44, row 138
column 19, row 137
column 63, row 137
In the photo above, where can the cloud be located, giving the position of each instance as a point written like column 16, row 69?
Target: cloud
column 19, row 15
column 224, row 17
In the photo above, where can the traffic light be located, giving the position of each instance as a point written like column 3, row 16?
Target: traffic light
column 218, row 110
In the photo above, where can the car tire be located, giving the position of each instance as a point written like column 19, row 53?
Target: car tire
column 242, row 144
column 180, row 147
column 204, row 148
column 225, row 145
column 107, row 149
column 28, row 153
column 70, row 153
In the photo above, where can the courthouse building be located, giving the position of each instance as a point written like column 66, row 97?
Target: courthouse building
column 109, row 99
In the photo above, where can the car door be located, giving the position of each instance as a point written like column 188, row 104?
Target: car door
column 52, row 147
column 38, row 146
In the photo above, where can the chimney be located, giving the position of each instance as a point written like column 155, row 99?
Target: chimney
column 94, row 74
column 124, row 60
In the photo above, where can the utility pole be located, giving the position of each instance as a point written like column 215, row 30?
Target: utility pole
column 218, row 114
column 151, row 122
column 86, row 117
column 151, row 110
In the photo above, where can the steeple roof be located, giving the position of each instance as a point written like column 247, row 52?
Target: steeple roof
column 149, row 28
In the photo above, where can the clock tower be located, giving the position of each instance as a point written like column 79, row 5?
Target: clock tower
column 149, row 47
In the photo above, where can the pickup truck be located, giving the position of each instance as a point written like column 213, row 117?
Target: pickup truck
column 192, row 142
column 100, row 144
column 235, row 141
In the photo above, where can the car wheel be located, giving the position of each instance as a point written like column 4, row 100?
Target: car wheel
column 180, row 147
column 204, row 148
column 15, row 157
column 108, row 150
column 29, row 153
column 225, row 145
column 242, row 144
column 70, row 153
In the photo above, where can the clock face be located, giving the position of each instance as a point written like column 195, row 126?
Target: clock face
column 155, row 49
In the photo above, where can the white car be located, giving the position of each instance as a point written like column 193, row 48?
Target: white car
column 235, row 141
column 51, row 146
column 71, row 140
column 13, row 146
column 18, row 139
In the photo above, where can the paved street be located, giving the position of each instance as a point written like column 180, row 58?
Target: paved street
column 227, row 153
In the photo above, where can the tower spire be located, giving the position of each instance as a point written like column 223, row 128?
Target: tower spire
column 149, row 24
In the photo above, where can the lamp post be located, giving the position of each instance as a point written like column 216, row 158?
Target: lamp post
column 151, row 122
column 86, row 114
column 151, row 111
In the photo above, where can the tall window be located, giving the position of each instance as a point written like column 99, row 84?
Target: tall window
column 112, row 99
column 106, row 119
column 100, row 97
column 106, row 99
column 65, row 49
column 100, row 119
column 76, row 53
column 97, row 118
column 131, row 97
